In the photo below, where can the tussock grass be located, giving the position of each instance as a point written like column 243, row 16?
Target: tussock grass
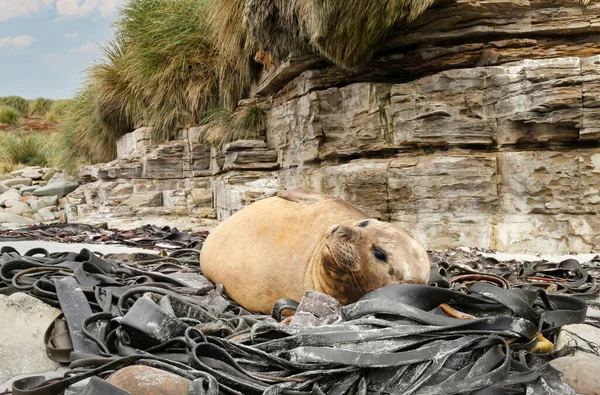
column 40, row 106
column 343, row 31
column 229, row 31
column 161, row 70
column 175, row 63
column 31, row 149
column 51, row 118
column 59, row 107
column 17, row 102
column 9, row 115
column 82, row 137
column 225, row 126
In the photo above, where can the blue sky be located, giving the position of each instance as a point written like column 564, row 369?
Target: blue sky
column 46, row 45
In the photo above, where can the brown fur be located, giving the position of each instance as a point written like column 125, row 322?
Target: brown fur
column 282, row 246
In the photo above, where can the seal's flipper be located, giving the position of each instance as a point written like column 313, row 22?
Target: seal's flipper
column 301, row 196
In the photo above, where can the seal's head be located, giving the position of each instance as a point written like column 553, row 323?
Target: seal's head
column 369, row 254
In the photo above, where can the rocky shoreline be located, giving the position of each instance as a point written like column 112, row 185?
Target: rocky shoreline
column 34, row 195
column 31, row 317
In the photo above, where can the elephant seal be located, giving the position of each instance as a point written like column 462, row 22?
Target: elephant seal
column 282, row 246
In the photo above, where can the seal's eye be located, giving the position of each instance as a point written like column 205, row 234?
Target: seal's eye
column 363, row 224
column 380, row 255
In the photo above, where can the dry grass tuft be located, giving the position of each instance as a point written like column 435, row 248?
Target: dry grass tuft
column 345, row 32
column 225, row 126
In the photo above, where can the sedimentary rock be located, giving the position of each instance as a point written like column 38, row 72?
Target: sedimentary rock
column 477, row 124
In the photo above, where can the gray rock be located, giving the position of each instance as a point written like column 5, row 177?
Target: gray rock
column 61, row 177
column 43, row 202
column 581, row 336
column 42, row 183
column 11, row 194
column 145, row 199
column 60, row 188
column 12, row 203
column 17, row 181
column 37, row 217
column 28, row 189
column 242, row 145
column 3, row 188
column 23, row 338
column 17, row 208
column 47, row 215
column 7, row 218
column 580, row 373
column 4, row 177
column 34, row 174
column 18, row 172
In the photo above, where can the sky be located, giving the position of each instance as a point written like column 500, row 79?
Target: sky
column 46, row 45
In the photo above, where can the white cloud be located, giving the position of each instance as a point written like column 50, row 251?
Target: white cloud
column 70, row 36
column 78, row 8
column 85, row 48
column 19, row 41
column 16, row 8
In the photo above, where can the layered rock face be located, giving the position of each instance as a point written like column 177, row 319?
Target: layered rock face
column 476, row 125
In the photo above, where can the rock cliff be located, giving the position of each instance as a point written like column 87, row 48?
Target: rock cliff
column 477, row 125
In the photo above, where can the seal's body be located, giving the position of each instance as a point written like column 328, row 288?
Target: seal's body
column 282, row 246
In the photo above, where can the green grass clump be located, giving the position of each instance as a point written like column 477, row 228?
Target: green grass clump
column 51, row 118
column 82, row 137
column 160, row 70
column 230, row 34
column 59, row 107
column 31, row 149
column 9, row 115
column 17, row 102
column 225, row 126
column 40, row 106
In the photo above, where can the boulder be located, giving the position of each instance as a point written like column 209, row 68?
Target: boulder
column 28, row 189
column 3, row 188
column 47, row 215
column 11, row 194
column 17, row 208
column 28, row 198
column 580, row 373
column 18, row 172
column 60, row 188
column 22, row 339
column 4, row 177
column 17, row 181
column 7, row 218
column 43, row 202
column 580, row 338
column 34, row 174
